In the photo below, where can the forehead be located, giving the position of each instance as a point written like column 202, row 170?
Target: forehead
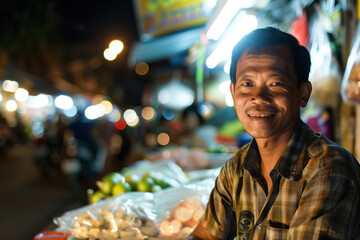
column 274, row 58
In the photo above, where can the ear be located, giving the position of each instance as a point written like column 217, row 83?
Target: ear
column 232, row 90
column 305, row 92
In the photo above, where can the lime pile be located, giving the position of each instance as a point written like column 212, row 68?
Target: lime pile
column 114, row 184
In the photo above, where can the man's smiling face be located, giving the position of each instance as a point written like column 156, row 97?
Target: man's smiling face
column 266, row 96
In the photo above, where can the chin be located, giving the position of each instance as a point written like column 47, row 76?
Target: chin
column 257, row 134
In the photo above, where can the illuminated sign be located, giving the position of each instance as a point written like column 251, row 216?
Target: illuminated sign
column 160, row 17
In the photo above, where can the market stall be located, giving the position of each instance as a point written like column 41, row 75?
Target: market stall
column 163, row 195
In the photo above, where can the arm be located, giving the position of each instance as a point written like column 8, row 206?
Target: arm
column 218, row 221
column 328, row 209
column 201, row 233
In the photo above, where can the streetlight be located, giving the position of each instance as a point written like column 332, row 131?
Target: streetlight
column 115, row 47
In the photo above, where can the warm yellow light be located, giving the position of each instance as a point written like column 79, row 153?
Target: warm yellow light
column 142, row 68
column 163, row 139
column 10, row 86
column 131, row 118
column 21, row 94
column 1, row 97
column 148, row 113
column 107, row 105
column 11, row 105
column 117, row 46
column 109, row 54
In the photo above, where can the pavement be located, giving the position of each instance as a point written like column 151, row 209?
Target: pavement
column 29, row 201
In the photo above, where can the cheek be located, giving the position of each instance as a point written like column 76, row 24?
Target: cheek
column 287, row 101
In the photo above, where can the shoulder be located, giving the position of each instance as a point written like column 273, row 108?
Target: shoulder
column 332, row 159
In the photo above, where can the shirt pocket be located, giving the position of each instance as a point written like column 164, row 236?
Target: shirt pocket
column 276, row 231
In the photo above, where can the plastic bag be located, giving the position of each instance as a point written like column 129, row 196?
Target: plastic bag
column 180, row 209
column 167, row 168
column 350, row 87
column 129, row 216
column 171, row 213
column 324, row 74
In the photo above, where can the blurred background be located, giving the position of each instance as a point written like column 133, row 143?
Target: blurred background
column 88, row 88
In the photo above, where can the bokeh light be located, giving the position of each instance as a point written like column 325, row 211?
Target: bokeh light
column 142, row 68
column 94, row 111
column 131, row 118
column 148, row 113
column 71, row 112
column 116, row 46
column 163, row 139
column 21, row 94
column 109, row 54
column 107, row 106
column 10, row 85
column 63, row 102
column 168, row 114
column 11, row 105
column 115, row 115
column 121, row 124
column 206, row 110
column 39, row 101
column 37, row 128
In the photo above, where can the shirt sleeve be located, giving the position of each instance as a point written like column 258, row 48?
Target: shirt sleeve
column 329, row 207
column 219, row 218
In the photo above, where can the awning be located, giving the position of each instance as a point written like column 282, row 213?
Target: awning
column 164, row 47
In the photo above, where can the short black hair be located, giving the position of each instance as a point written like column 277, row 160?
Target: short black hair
column 269, row 36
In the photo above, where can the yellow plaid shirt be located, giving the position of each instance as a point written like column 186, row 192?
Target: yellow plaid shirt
column 315, row 193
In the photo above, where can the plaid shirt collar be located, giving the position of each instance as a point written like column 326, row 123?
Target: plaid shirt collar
column 291, row 162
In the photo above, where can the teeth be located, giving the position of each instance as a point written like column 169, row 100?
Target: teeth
column 261, row 115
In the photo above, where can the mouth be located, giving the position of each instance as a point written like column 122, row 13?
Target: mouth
column 261, row 115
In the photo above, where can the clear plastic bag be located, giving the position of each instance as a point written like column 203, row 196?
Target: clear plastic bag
column 168, row 168
column 129, row 216
column 180, row 209
column 350, row 87
column 171, row 213
column 324, row 74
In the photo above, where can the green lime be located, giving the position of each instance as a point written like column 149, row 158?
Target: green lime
column 145, row 184
column 97, row 196
column 107, row 182
column 132, row 180
column 120, row 188
column 114, row 177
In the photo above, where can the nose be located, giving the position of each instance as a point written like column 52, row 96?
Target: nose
column 262, row 95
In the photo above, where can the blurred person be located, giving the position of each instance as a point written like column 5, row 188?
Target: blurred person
column 192, row 121
column 289, row 182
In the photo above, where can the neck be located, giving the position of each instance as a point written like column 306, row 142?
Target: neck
column 270, row 150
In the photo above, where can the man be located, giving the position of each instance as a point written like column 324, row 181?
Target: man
column 288, row 182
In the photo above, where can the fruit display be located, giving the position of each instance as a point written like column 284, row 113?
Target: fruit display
column 147, row 180
column 137, row 216
column 183, row 219
column 147, row 201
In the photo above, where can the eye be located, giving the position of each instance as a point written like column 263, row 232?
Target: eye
column 246, row 84
column 275, row 84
